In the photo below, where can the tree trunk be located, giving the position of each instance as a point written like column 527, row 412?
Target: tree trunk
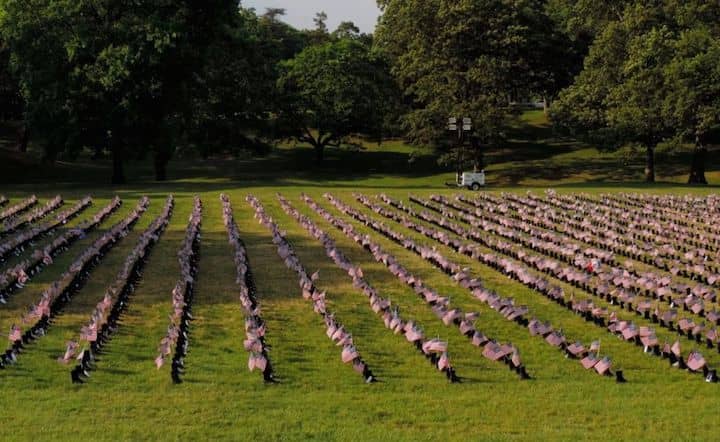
column 650, row 165
column 161, row 161
column 478, row 157
column 205, row 151
column 319, row 153
column 697, row 169
column 55, row 145
column 546, row 106
column 97, row 152
column 118, row 173
column 50, row 155
column 23, row 137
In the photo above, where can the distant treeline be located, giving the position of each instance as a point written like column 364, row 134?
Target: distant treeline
column 130, row 79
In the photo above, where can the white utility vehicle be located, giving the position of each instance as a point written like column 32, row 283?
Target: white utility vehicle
column 471, row 180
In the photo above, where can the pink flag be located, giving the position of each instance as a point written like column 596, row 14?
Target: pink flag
column 260, row 362
column 413, row 335
column 613, row 317
column 346, row 340
column 89, row 333
column 472, row 316
column 339, row 333
column 466, row 327
column 15, row 333
column 649, row 341
column 358, row 366
column 22, row 276
column 555, row 339
column 516, row 358
column 306, row 294
column 434, row 346
column 444, row 362
column 493, row 352
column 603, row 366
column 534, row 327
column 676, row 348
column 695, row 361
column 70, row 350
column 629, row 333
column 349, row 353
column 479, row 339
column 451, row 316
column 576, row 349
column 589, row 361
column 253, row 345
column 331, row 329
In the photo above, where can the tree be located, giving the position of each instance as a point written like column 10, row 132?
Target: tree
column 692, row 105
column 464, row 58
column 118, row 74
column 9, row 89
column 556, row 57
column 640, row 93
column 276, row 39
column 273, row 14
column 11, row 98
column 320, row 22
column 38, row 60
column 650, row 77
column 332, row 91
column 620, row 86
column 234, row 91
column 587, row 18
column 346, row 29
column 320, row 34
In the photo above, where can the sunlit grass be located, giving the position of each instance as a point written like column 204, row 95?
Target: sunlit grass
column 319, row 397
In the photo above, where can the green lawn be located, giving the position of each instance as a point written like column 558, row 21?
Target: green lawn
column 318, row 397
column 534, row 156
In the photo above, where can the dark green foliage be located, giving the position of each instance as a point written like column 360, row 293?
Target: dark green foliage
column 470, row 58
column 332, row 91
column 125, row 76
column 9, row 89
column 651, row 77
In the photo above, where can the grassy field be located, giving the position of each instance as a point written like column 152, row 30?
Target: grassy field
column 318, row 397
column 534, row 156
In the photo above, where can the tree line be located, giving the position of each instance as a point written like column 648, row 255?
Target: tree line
column 134, row 78
column 130, row 79
column 640, row 73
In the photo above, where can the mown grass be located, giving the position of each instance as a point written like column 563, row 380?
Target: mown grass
column 535, row 155
column 318, row 397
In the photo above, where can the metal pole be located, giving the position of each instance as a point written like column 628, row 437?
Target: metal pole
column 459, row 161
column 461, row 125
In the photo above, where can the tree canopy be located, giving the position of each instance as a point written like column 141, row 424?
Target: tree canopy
column 332, row 91
column 469, row 58
column 154, row 78
column 650, row 77
column 120, row 75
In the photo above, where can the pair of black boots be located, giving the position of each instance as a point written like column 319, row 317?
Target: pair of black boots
column 81, row 371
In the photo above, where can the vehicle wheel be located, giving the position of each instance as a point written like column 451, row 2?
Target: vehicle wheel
column 475, row 186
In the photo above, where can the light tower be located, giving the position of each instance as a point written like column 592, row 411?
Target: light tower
column 464, row 127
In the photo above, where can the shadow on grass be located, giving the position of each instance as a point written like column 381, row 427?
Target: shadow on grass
column 599, row 170
column 280, row 168
column 533, row 153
